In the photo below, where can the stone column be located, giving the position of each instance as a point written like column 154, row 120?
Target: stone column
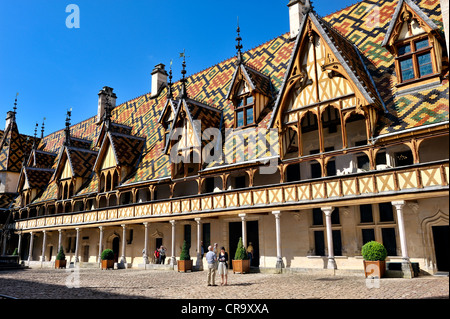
column 100, row 244
column 123, row 259
column 199, row 247
column 145, row 254
column 406, row 264
column 30, row 252
column 244, row 229
column 331, row 262
column 19, row 245
column 59, row 239
column 277, row 215
column 77, row 245
column 173, row 259
column 44, row 243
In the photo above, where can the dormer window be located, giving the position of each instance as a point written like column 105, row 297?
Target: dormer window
column 415, row 59
column 245, row 111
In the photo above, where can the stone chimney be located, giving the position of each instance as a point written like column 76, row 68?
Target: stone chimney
column 159, row 78
column 102, row 100
column 9, row 118
column 296, row 12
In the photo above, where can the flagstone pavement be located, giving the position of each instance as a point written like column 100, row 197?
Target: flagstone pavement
column 132, row 283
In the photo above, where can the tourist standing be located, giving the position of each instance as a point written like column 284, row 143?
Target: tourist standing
column 162, row 254
column 211, row 259
column 223, row 265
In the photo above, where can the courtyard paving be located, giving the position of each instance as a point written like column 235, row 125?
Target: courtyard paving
column 131, row 283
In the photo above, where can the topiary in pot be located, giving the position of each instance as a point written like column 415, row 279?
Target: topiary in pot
column 374, row 254
column 241, row 263
column 107, row 257
column 185, row 262
column 60, row 259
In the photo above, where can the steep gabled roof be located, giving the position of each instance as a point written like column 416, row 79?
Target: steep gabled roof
column 126, row 149
column 412, row 6
column 37, row 178
column 258, row 81
column 80, row 160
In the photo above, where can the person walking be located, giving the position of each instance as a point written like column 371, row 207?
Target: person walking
column 211, row 259
column 223, row 266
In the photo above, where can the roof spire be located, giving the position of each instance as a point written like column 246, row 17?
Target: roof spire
column 239, row 45
column 42, row 128
column 107, row 115
column 15, row 108
column 170, row 92
column 35, row 135
column 67, row 130
column 183, row 81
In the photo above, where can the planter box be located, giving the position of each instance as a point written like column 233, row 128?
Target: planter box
column 374, row 268
column 60, row 264
column 241, row 266
column 184, row 265
column 107, row 264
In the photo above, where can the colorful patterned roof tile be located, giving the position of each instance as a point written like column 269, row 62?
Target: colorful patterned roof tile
column 357, row 31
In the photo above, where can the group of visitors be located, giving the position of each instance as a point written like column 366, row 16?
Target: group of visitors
column 160, row 255
column 217, row 262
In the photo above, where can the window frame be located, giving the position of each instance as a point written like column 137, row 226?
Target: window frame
column 413, row 55
column 244, row 107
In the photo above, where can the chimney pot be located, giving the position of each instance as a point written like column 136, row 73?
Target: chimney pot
column 159, row 78
column 102, row 98
column 295, row 16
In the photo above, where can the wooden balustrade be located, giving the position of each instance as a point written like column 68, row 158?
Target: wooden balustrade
column 419, row 178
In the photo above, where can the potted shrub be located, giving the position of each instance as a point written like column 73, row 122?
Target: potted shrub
column 185, row 262
column 241, row 263
column 60, row 262
column 107, row 259
column 374, row 254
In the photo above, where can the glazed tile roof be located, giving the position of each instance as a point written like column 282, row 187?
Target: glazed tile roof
column 366, row 24
column 13, row 146
column 357, row 31
column 37, row 177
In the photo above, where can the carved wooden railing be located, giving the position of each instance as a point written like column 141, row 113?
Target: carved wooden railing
column 416, row 178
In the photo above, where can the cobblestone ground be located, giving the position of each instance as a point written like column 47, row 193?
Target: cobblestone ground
column 130, row 283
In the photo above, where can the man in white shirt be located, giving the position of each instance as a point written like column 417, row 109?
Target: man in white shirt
column 211, row 258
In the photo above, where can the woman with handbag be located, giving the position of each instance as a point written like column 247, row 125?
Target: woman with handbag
column 223, row 266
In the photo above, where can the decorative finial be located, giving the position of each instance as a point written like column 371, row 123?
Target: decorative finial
column 35, row 135
column 42, row 128
column 170, row 92
column 67, row 130
column 183, row 72
column 239, row 45
column 15, row 107
column 107, row 114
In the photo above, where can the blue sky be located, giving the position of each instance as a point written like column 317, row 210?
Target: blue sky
column 119, row 42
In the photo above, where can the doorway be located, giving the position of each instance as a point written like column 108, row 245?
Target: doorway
column 235, row 232
column 115, row 248
column 86, row 253
column 441, row 239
